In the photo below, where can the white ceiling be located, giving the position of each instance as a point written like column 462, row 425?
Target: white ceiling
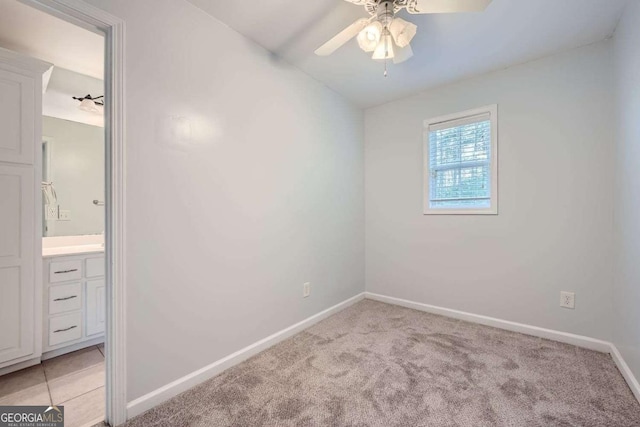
column 447, row 47
column 29, row 31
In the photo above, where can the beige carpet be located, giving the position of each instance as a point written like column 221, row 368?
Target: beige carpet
column 375, row 364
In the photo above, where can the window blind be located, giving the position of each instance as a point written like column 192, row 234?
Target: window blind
column 460, row 163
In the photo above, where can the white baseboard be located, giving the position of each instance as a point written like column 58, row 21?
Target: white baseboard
column 626, row 371
column 156, row 397
column 577, row 340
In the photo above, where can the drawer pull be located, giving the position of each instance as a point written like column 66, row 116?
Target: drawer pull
column 66, row 329
column 65, row 271
column 66, row 298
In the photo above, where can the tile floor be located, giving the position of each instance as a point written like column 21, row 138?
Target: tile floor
column 74, row 380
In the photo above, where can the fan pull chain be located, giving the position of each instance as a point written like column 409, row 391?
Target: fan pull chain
column 386, row 46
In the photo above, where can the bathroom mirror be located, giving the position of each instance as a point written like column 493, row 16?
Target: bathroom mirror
column 72, row 178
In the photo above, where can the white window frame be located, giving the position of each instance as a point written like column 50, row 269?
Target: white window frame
column 492, row 110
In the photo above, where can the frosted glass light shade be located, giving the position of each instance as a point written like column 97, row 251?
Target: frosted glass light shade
column 384, row 50
column 402, row 31
column 369, row 37
column 401, row 54
column 88, row 105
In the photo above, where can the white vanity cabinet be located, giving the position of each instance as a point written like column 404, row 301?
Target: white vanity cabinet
column 95, row 307
column 74, row 309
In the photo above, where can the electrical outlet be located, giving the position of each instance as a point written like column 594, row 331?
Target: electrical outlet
column 64, row 215
column 567, row 300
column 306, row 290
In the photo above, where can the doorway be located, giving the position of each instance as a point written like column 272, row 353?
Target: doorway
column 91, row 288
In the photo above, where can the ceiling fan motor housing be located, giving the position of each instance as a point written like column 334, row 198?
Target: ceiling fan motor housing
column 385, row 12
column 374, row 6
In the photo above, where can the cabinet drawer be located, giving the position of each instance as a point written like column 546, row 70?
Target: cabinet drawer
column 95, row 267
column 65, row 328
column 64, row 271
column 64, row 298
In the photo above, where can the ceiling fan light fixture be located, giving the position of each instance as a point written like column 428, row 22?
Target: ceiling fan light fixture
column 389, row 37
column 384, row 50
column 369, row 38
column 402, row 31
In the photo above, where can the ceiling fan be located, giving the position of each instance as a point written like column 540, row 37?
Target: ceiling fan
column 388, row 36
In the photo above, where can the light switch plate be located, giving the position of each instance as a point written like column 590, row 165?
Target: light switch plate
column 306, row 290
column 51, row 212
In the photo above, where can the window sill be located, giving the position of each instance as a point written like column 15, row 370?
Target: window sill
column 490, row 211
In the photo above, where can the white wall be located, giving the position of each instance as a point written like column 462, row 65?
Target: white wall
column 223, row 232
column 77, row 172
column 554, row 228
column 627, row 188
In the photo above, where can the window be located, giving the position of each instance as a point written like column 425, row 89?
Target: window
column 461, row 163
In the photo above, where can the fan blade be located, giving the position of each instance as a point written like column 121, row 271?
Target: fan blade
column 344, row 36
column 358, row 2
column 401, row 54
column 447, row 6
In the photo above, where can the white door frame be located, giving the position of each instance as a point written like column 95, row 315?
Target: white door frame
column 94, row 19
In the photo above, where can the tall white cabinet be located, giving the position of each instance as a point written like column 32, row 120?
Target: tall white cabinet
column 20, row 215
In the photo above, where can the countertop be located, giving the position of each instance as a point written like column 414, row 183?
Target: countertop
column 72, row 250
